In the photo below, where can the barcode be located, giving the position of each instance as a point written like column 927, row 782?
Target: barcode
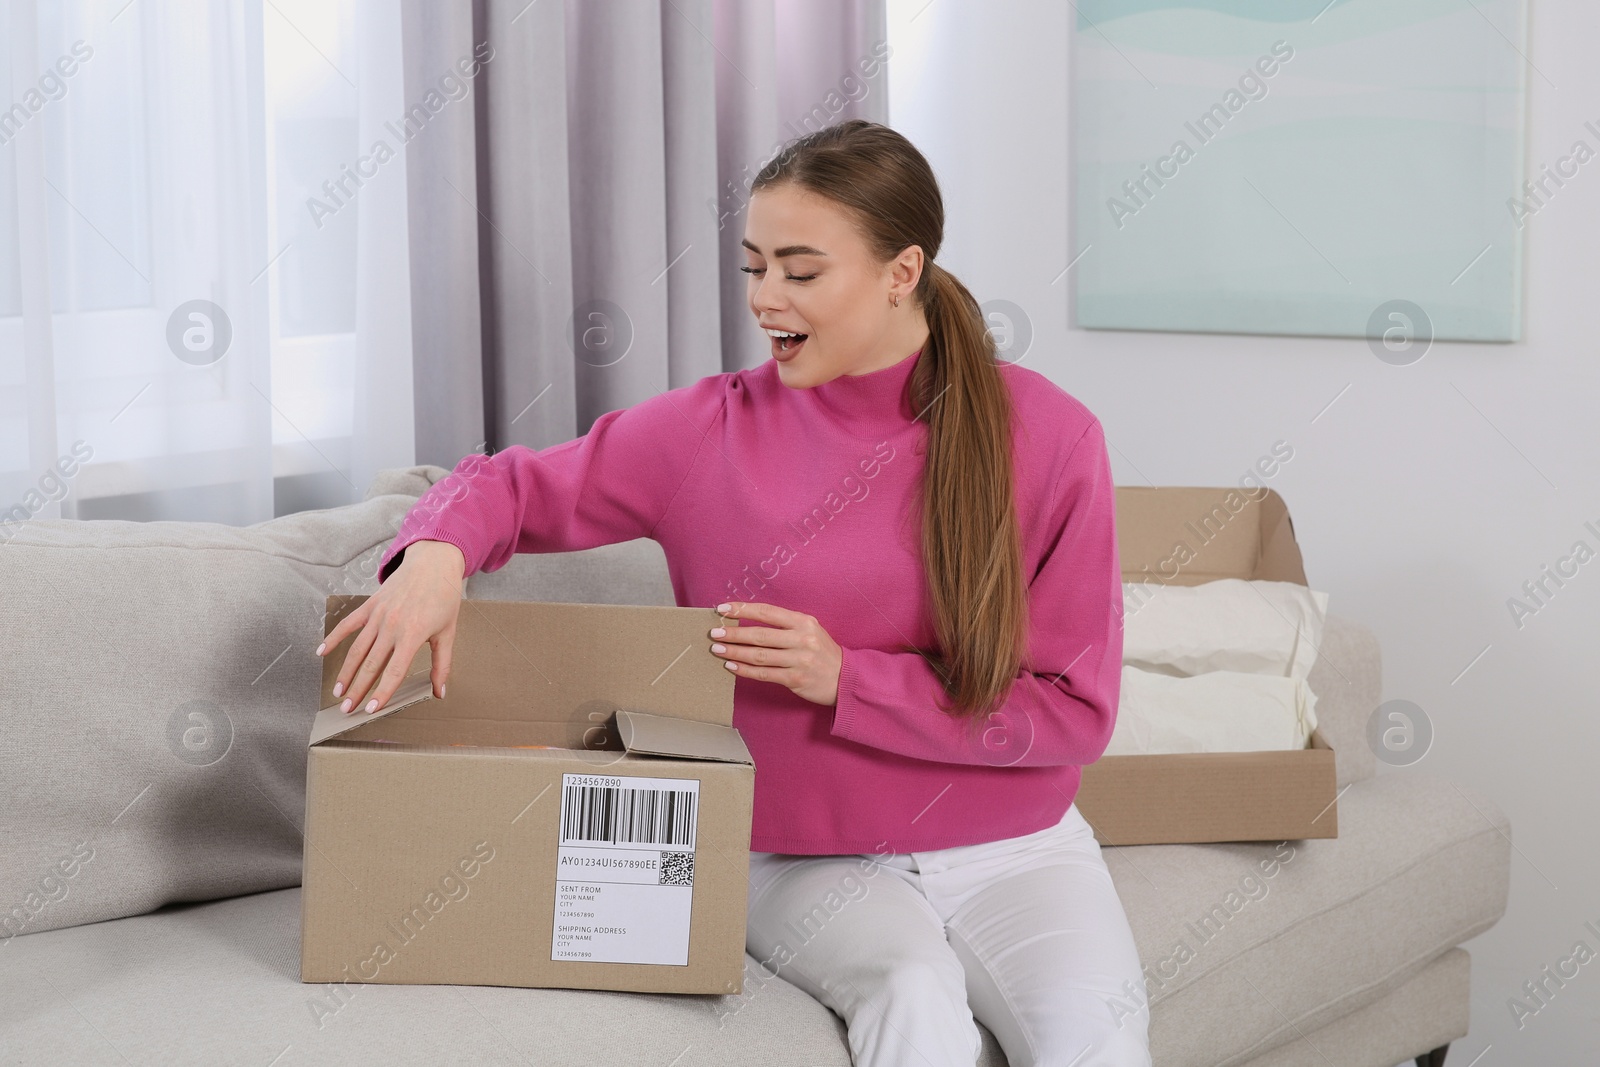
column 622, row 815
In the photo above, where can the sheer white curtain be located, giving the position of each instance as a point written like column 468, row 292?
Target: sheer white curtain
column 254, row 251
column 176, row 177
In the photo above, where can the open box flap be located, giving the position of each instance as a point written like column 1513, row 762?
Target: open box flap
column 578, row 663
column 663, row 735
column 1186, row 535
column 331, row 722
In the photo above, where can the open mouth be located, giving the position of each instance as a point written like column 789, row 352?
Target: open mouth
column 785, row 347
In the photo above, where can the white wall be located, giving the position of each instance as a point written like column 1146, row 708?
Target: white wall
column 1422, row 498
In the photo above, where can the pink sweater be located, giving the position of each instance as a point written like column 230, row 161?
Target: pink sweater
column 807, row 499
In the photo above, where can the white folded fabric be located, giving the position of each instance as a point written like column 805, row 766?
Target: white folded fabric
column 1218, row 667
column 1230, row 624
column 1219, row 711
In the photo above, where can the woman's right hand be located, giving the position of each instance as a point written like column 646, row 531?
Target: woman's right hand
column 419, row 602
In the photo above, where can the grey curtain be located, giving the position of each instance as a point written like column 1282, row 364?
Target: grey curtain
column 575, row 220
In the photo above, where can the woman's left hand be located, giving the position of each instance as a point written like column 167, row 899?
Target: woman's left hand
column 789, row 648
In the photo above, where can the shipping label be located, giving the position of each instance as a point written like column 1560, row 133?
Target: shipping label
column 625, row 869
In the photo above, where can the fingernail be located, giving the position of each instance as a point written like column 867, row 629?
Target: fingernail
column 372, row 705
column 718, row 632
column 322, row 648
column 728, row 663
column 338, row 689
column 723, row 609
column 345, row 706
column 719, row 648
column 441, row 692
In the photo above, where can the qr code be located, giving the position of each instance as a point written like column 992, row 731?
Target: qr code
column 677, row 868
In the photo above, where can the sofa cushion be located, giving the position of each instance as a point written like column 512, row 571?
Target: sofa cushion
column 1247, row 945
column 158, row 689
column 219, row 983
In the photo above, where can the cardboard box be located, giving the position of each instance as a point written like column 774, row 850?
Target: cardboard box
column 1184, row 536
column 439, row 849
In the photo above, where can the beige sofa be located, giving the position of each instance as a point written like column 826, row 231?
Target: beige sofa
column 158, row 688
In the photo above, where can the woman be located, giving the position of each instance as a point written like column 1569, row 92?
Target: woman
column 918, row 541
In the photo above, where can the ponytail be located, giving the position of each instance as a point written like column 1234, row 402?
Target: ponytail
column 971, row 540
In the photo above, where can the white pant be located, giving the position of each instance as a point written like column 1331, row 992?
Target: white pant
column 1026, row 934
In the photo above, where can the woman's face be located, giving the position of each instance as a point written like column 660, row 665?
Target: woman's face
column 810, row 273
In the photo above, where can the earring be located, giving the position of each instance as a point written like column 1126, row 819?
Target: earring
column 895, row 300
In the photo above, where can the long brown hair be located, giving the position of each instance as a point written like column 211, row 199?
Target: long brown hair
column 971, row 543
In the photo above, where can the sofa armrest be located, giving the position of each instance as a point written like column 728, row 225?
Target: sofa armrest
column 1347, row 679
